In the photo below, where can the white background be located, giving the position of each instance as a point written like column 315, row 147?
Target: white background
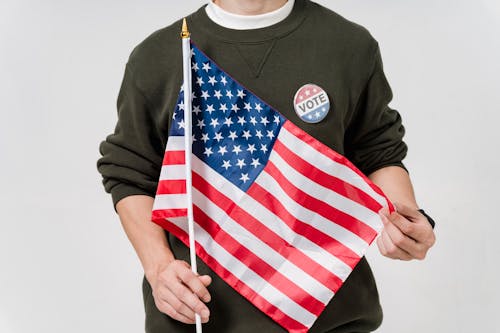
column 65, row 263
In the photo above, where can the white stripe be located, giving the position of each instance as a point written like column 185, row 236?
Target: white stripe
column 248, row 276
column 173, row 172
column 330, row 197
column 261, row 213
column 170, row 201
column 175, row 143
column 262, row 250
column 326, row 164
column 344, row 236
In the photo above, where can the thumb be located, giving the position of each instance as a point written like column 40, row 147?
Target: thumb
column 410, row 213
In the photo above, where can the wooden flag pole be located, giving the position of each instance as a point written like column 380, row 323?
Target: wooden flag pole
column 186, row 65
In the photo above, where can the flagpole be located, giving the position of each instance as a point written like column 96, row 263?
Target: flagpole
column 186, row 65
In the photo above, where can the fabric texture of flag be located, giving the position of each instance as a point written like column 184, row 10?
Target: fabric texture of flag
column 279, row 216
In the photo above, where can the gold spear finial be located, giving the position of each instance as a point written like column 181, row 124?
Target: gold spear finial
column 185, row 33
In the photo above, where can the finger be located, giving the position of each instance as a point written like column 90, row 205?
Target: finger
column 407, row 227
column 399, row 239
column 206, row 280
column 381, row 246
column 172, row 313
column 182, row 309
column 194, row 283
column 392, row 251
column 186, row 295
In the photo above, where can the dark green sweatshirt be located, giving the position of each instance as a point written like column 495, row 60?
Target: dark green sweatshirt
column 312, row 45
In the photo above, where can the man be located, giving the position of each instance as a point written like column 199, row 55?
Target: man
column 273, row 47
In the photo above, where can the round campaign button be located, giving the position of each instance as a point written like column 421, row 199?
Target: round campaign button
column 311, row 103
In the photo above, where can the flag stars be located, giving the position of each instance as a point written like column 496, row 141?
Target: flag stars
column 232, row 135
column 201, row 123
column 258, row 133
column 212, row 80
column 206, row 67
column 195, row 67
column 223, row 80
column 204, row 94
column 247, row 107
column 276, row 120
column 264, row 121
column 222, row 150
column 218, row 136
column 270, row 134
column 228, row 122
column 199, row 81
column 229, row 94
column 241, row 93
column 234, row 108
column 255, row 162
column 223, row 107
column 217, row 94
column 253, row 121
column 208, row 151
column 181, row 105
column 226, row 164
column 204, row 137
column 210, row 108
column 214, row 122
column 258, row 107
column 247, row 135
column 241, row 120
column 241, row 163
column 237, row 149
column 263, row 148
column 244, row 177
column 196, row 109
column 181, row 124
column 251, row 148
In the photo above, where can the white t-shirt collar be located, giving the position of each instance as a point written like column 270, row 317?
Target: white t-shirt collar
column 247, row 22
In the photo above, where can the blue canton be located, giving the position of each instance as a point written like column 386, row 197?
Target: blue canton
column 233, row 130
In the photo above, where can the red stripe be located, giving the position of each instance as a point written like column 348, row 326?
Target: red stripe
column 327, row 211
column 172, row 186
column 174, row 157
column 258, row 265
column 326, row 180
column 316, row 236
column 261, row 303
column 333, row 155
column 266, row 235
column 158, row 216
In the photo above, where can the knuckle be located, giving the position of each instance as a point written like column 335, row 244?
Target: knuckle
column 176, row 306
column 399, row 240
column 420, row 255
column 391, row 249
column 408, row 228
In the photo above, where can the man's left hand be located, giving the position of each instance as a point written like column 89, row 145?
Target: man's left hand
column 406, row 235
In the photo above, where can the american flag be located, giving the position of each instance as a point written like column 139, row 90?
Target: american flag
column 278, row 215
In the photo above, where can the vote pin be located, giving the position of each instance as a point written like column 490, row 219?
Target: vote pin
column 311, row 103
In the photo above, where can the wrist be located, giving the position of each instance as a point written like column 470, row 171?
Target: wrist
column 152, row 269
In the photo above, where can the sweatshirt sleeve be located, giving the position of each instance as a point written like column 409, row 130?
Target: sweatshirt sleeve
column 132, row 155
column 374, row 137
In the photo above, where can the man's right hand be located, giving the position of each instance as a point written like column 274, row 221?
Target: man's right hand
column 179, row 293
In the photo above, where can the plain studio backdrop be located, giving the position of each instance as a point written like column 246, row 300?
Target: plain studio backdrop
column 67, row 266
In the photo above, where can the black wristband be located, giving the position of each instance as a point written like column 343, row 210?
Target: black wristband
column 431, row 221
